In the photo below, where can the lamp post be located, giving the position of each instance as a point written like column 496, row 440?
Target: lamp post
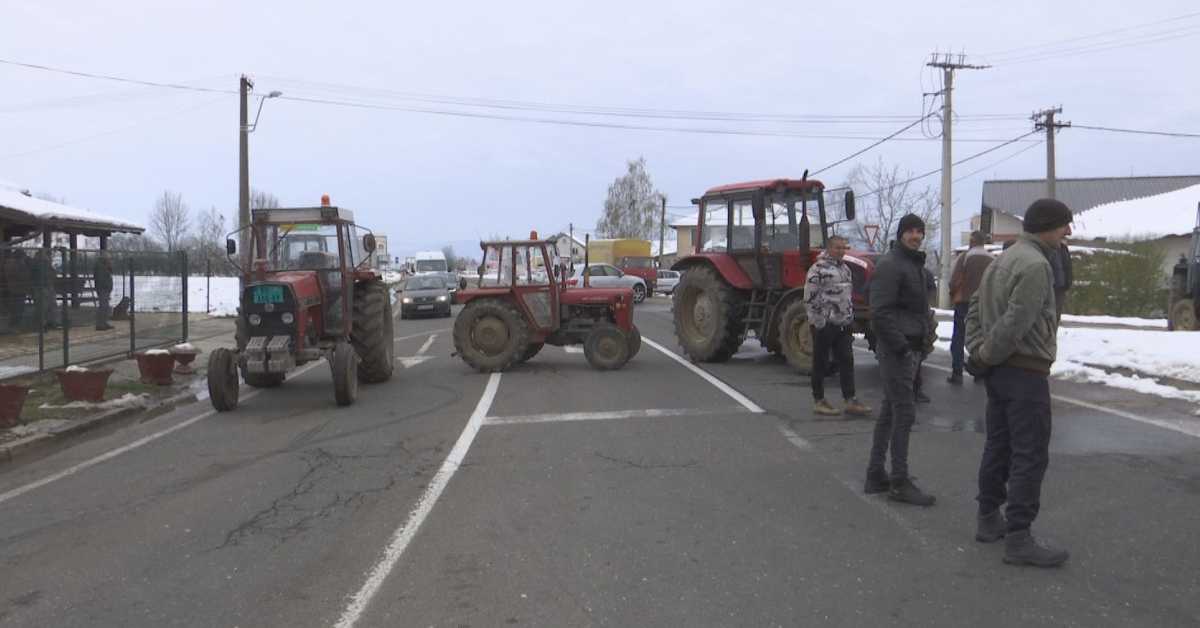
column 244, row 131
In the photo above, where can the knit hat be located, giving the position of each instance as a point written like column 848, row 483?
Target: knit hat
column 1046, row 214
column 910, row 221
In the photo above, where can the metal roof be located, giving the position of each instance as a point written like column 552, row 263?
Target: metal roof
column 1013, row 197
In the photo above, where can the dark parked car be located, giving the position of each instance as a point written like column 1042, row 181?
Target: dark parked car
column 425, row 295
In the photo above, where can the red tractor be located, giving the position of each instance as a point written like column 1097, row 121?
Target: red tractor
column 523, row 302
column 306, row 295
column 754, row 243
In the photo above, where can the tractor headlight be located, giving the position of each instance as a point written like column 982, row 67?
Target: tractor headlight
column 406, row 300
column 255, row 319
column 288, row 318
column 442, row 298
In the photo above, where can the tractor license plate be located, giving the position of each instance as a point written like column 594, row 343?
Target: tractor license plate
column 268, row 294
column 424, row 307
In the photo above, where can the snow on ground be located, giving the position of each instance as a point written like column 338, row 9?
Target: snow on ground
column 1085, row 354
column 126, row 400
column 13, row 371
column 1122, row 321
column 163, row 294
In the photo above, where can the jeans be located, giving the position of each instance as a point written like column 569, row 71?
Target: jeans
column 840, row 341
column 897, row 413
column 959, row 338
column 1017, row 450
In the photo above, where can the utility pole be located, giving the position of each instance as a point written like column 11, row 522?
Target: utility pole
column 571, row 244
column 244, row 87
column 948, row 64
column 1044, row 119
column 662, row 230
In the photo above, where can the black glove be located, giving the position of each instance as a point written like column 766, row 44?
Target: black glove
column 976, row 367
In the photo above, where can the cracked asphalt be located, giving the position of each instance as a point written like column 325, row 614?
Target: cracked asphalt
column 705, row 515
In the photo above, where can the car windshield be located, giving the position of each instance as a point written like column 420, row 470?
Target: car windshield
column 425, row 283
column 431, row 265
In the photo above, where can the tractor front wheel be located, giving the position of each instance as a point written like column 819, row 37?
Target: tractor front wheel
column 635, row 341
column 795, row 339
column 491, row 335
column 1183, row 315
column 223, row 380
column 344, row 367
column 372, row 332
column 708, row 315
column 606, row 348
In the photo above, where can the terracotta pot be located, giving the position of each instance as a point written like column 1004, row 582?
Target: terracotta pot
column 86, row 385
column 12, row 398
column 155, row 368
column 185, row 359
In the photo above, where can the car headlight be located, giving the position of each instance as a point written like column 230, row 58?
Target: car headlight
column 406, row 300
column 442, row 298
column 288, row 318
column 255, row 319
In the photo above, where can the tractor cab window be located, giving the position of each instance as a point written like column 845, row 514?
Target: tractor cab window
column 530, row 266
column 305, row 247
column 490, row 272
column 742, row 230
column 716, row 221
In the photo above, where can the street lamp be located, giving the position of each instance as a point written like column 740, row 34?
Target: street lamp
column 244, row 130
column 261, row 100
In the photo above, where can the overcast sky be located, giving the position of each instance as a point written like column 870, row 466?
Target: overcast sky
column 428, row 179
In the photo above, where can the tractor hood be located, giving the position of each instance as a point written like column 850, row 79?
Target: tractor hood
column 579, row 295
column 304, row 283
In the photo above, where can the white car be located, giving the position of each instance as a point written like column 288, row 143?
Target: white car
column 609, row 276
column 667, row 280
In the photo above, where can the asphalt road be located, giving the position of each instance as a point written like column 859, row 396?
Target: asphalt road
column 555, row 495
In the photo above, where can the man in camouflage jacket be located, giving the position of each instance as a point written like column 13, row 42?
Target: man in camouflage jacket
column 827, row 302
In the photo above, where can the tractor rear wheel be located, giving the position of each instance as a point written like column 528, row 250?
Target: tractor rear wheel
column 372, row 334
column 223, row 380
column 344, row 367
column 795, row 339
column 708, row 315
column 490, row 335
column 1183, row 315
column 530, row 351
column 263, row 380
column 635, row 341
column 606, row 348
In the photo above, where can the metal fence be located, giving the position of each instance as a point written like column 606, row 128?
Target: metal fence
column 60, row 307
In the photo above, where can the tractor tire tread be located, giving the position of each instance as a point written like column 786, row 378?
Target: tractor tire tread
column 371, row 333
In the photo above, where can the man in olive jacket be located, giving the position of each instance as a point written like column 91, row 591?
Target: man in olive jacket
column 1012, row 326
column 900, row 320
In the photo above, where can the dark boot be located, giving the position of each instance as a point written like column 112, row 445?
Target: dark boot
column 877, row 482
column 990, row 528
column 921, row 397
column 955, row 378
column 1020, row 548
column 906, row 492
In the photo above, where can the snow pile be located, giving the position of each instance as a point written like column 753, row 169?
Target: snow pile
column 128, row 400
column 157, row 352
column 1150, row 217
column 74, row 368
column 183, row 348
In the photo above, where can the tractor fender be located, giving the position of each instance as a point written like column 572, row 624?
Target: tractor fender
column 723, row 264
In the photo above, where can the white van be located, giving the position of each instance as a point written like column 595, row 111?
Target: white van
column 429, row 262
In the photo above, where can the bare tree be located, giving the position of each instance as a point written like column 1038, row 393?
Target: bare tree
column 207, row 244
column 631, row 209
column 261, row 199
column 169, row 220
column 896, row 197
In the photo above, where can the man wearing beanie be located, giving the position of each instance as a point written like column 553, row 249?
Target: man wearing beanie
column 1011, row 328
column 900, row 319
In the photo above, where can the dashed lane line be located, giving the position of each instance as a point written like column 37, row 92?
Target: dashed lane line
column 650, row 413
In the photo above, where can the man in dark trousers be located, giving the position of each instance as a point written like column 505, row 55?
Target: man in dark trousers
column 827, row 302
column 102, row 279
column 900, row 320
column 1011, row 336
column 964, row 281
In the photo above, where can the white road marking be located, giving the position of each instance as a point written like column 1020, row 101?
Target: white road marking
column 1183, row 427
column 405, row 533
column 424, row 333
column 708, row 377
column 109, row 455
column 573, row 349
column 795, row 439
column 414, row 360
column 651, row 413
column 425, row 347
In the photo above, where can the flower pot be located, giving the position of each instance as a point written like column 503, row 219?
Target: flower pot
column 12, row 398
column 85, row 385
column 155, row 367
column 185, row 359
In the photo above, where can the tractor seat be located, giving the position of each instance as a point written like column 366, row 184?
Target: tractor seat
column 317, row 260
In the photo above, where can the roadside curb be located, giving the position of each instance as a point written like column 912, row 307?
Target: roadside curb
column 41, row 445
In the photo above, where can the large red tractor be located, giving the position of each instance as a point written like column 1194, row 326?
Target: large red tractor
column 523, row 302
column 306, row 295
column 754, row 243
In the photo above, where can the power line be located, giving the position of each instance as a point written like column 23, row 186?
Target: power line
column 1022, row 49
column 999, row 161
column 1136, row 131
column 873, row 145
column 1105, row 46
column 119, row 79
column 935, row 171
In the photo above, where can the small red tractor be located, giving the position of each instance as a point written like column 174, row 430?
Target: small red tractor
column 306, row 295
column 753, row 245
column 523, row 302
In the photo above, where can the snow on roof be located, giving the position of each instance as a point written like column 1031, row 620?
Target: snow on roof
column 669, row 247
column 1147, row 218
column 58, row 215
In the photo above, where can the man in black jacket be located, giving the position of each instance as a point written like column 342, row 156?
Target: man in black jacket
column 900, row 320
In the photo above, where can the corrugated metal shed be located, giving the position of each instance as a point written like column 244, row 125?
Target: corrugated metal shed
column 1013, row 197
